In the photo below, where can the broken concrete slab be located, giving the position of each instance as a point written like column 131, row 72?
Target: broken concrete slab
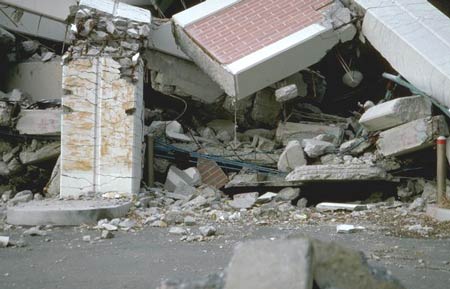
column 181, row 77
column 338, row 267
column 66, row 213
column 395, row 112
column 355, row 146
column 236, row 64
column 424, row 60
column 243, row 201
column 265, row 108
column 412, row 136
column 39, row 122
column 288, row 194
column 176, row 178
column 324, row 207
column 291, row 157
column 340, row 172
column 49, row 151
column 30, row 77
column 315, row 148
column 306, row 130
column 265, row 264
column 348, row 229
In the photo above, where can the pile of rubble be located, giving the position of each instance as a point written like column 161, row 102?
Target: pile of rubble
column 95, row 32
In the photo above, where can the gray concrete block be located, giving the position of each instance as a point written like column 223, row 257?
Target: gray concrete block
column 266, row 264
column 440, row 214
column 304, row 130
column 66, row 213
column 412, row 136
column 341, row 172
column 395, row 112
column 291, row 157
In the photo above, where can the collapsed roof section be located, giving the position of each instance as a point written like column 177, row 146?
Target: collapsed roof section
column 246, row 45
column 414, row 37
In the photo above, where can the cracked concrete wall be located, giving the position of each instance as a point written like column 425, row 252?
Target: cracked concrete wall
column 102, row 128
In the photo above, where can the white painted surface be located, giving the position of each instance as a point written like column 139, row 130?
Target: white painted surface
column 201, row 11
column 274, row 49
column 119, row 10
column 101, row 147
column 414, row 37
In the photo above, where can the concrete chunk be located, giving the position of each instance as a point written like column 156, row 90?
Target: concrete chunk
column 412, row 136
column 39, row 122
column 315, row 148
column 286, row 93
column 47, row 152
column 340, row 172
column 265, row 264
column 291, row 157
column 176, row 178
column 395, row 112
column 298, row 131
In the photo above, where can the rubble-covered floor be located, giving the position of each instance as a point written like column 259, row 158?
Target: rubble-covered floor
column 142, row 259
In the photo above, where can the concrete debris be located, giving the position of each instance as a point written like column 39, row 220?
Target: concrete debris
column 176, row 178
column 266, row 198
column 295, row 262
column 348, row 172
column 395, row 112
column 21, row 197
column 35, row 231
column 299, row 131
column 266, row 265
column 4, row 241
column 315, row 148
column 346, row 229
column 86, row 238
column 106, row 235
column 39, row 122
column 288, row 194
column 292, row 157
column 178, row 231
column 412, row 136
column 207, row 231
column 50, row 151
column 324, row 207
column 355, row 146
column 243, row 201
column 266, row 109
column 286, row 93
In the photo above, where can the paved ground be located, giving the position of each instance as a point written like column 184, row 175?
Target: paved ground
column 143, row 259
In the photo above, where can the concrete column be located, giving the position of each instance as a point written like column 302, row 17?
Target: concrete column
column 102, row 128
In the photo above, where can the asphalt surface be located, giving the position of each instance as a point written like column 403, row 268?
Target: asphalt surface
column 142, row 259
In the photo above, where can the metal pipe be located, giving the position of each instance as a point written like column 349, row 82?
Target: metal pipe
column 441, row 175
column 150, row 160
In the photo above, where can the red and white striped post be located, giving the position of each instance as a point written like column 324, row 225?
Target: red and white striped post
column 441, row 175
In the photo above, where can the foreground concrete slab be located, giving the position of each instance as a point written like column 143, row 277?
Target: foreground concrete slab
column 414, row 37
column 273, row 41
column 265, row 264
column 352, row 172
column 440, row 214
column 66, row 213
column 323, row 207
column 412, row 136
column 395, row 112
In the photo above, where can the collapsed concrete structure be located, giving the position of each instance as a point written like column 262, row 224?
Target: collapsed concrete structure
column 245, row 56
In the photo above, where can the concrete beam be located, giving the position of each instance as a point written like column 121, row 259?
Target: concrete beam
column 414, row 37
